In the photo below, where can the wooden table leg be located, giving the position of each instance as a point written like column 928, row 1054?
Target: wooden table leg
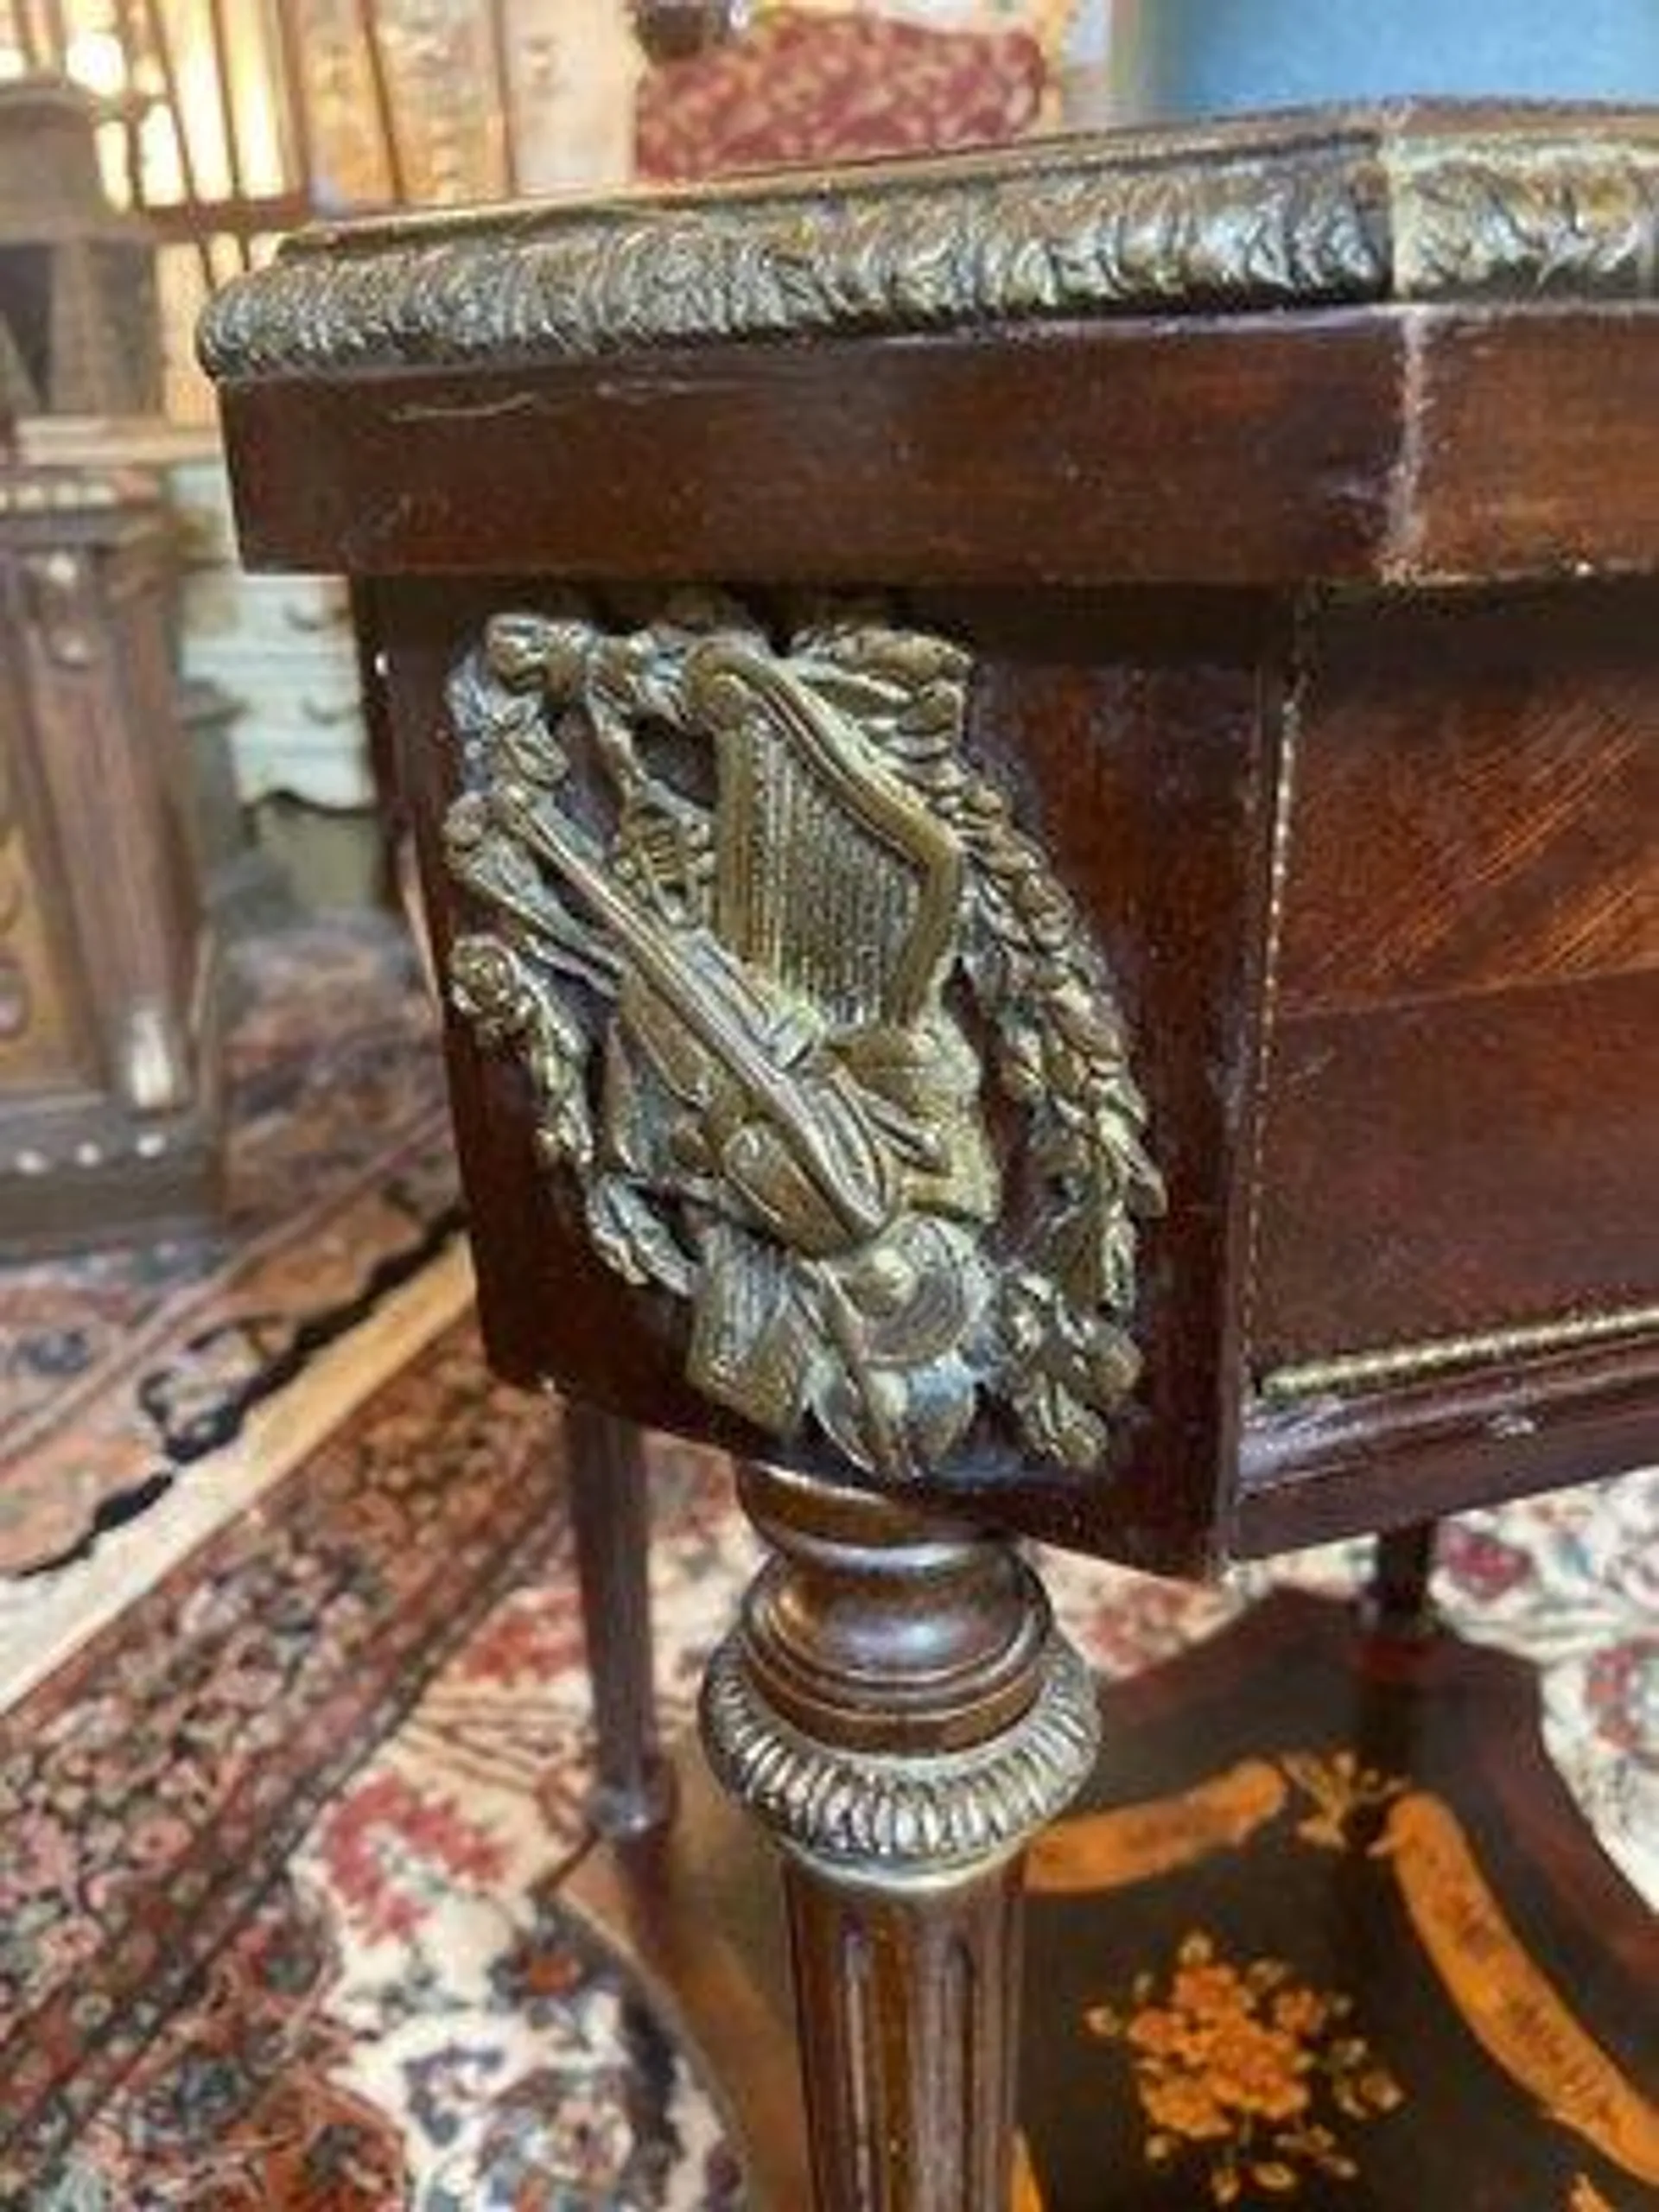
column 610, row 1515
column 898, row 1711
column 1398, row 1600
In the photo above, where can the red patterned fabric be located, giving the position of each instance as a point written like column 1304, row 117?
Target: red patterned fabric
column 805, row 88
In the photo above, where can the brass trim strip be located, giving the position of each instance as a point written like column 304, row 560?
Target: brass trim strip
column 1363, row 1371
column 1286, row 767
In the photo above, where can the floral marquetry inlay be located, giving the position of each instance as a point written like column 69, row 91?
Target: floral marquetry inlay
column 769, row 946
column 1245, row 2074
column 1252, row 2081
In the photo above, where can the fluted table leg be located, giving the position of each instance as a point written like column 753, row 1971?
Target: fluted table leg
column 898, row 1711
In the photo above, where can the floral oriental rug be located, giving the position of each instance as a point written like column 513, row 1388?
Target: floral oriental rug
column 147, row 1390
column 289, row 1823
column 120, row 1368
column 278, row 1915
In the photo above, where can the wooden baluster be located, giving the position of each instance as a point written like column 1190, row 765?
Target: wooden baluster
column 385, row 105
column 26, row 36
column 161, row 46
column 132, row 103
column 897, row 1710
column 296, row 106
column 506, row 99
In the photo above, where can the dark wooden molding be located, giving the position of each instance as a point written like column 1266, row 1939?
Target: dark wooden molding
column 1260, row 450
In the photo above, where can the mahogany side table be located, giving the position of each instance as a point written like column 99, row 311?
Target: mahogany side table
column 1036, row 785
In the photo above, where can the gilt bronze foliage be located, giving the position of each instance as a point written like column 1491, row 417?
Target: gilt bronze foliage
column 767, row 945
column 1411, row 203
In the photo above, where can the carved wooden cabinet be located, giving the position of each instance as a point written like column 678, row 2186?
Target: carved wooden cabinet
column 79, row 320
column 282, row 647
column 1037, row 787
column 109, row 1093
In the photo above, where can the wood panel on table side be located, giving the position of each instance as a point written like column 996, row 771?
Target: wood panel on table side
column 1458, row 1165
column 1459, row 1133
column 1477, row 795
column 1101, row 759
column 1531, row 428
column 1228, row 451
column 1400, row 444
column 1105, row 757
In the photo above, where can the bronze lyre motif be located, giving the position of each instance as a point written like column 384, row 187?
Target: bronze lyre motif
column 764, row 941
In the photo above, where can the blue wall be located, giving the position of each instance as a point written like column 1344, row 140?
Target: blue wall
column 1205, row 57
